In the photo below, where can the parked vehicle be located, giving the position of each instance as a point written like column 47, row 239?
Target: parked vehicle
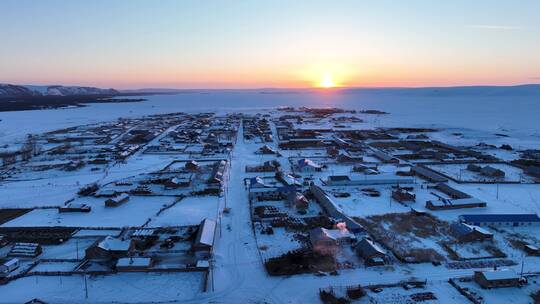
column 8, row 267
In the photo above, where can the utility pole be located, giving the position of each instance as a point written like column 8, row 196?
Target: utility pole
column 85, row 286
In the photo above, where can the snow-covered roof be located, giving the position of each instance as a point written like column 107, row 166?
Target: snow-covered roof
column 205, row 235
column 305, row 162
column 334, row 234
column 463, row 228
column 503, row 274
column 113, row 244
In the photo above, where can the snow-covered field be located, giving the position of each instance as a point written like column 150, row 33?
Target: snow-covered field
column 123, row 287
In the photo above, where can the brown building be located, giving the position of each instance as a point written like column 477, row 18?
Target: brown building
column 497, row 278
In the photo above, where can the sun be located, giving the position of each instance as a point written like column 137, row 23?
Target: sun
column 327, row 81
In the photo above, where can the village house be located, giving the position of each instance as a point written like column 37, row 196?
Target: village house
column 403, row 195
column 287, row 179
column 297, row 200
column 466, row 233
column 27, row 250
column 330, row 207
column 192, row 166
column 372, row 253
column 327, row 241
column 178, row 181
column 73, row 207
column 204, row 241
column 384, row 157
column 108, row 247
column 428, row 175
column 307, row 165
column 345, row 180
column 266, row 149
column 117, row 200
column 492, row 172
column 497, row 278
column 460, row 203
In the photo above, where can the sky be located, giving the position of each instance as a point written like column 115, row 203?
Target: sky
column 282, row 44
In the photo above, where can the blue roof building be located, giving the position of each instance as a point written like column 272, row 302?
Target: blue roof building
column 513, row 220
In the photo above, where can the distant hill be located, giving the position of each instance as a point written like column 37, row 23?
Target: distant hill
column 10, row 90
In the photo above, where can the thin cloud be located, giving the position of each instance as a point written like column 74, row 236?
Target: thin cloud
column 496, row 27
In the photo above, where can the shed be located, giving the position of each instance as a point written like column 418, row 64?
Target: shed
column 205, row 235
column 470, row 233
column 497, row 278
column 370, row 252
column 117, row 200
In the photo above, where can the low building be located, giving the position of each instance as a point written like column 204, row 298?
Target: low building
column 497, row 278
column 192, row 166
column 117, row 200
column 74, row 208
column 179, row 181
column 460, row 203
column 364, row 180
column 332, row 210
column 270, row 193
column 26, row 250
column 402, row 195
column 428, row 174
column 307, row 165
column 134, row 264
column 372, row 253
column 257, row 182
column 492, row 172
column 297, row 200
column 466, row 233
column 385, row 157
column 327, row 241
column 501, row 220
column 266, row 149
column 204, row 241
column 287, row 179
column 216, row 178
column 108, row 247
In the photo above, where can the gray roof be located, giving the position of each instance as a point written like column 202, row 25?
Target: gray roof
column 367, row 248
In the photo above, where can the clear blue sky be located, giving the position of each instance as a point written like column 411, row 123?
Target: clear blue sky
column 128, row 44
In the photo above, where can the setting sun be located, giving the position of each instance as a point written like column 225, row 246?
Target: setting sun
column 327, row 81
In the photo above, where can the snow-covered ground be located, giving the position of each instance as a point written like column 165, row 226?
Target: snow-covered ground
column 122, row 287
column 237, row 273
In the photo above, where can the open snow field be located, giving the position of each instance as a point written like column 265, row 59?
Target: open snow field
column 122, row 287
column 135, row 212
column 188, row 211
